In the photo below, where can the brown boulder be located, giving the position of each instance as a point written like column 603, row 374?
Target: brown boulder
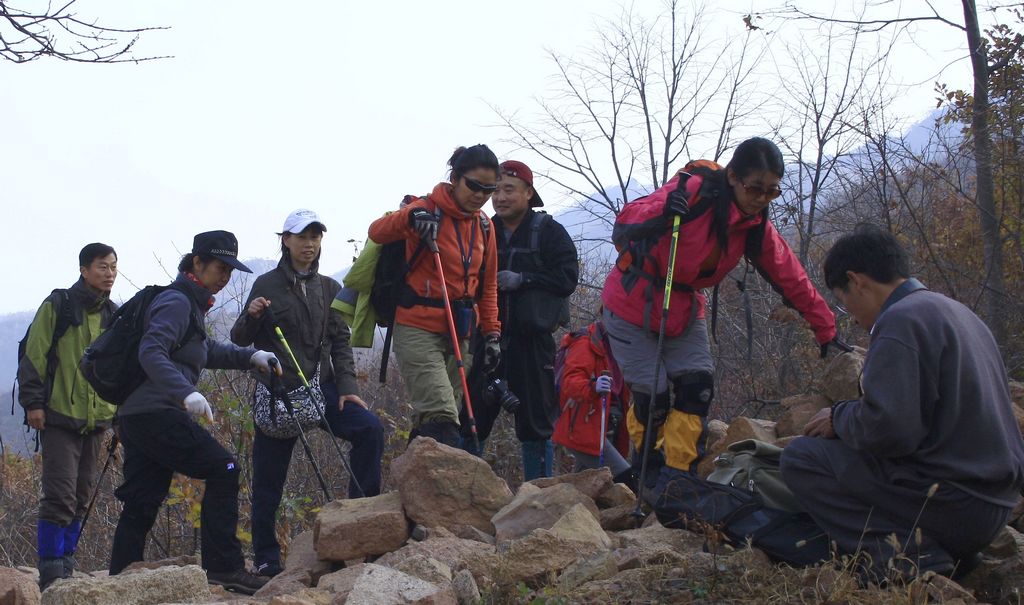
column 717, row 430
column 443, row 486
column 371, row 584
column 798, row 410
column 531, row 510
column 425, row 568
column 164, row 585
column 619, row 518
column 617, row 494
column 351, row 529
column 578, row 523
column 181, row 561
column 302, row 556
column 679, row 540
column 536, row 559
column 306, row 596
column 841, row 378
column 17, row 588
column 740, row 429
column 591, row 482
column 286, row 582
column 456, row 553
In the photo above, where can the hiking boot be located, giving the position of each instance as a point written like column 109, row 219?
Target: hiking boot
column 50, row 569
column 441, row 432
column 268, row 569
column 240, row 580
column 69, row 565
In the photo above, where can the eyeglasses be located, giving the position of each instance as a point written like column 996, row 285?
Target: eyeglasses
column 478, row 187
column 758, row 191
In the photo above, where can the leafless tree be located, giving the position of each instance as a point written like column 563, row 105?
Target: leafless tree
column 59, row 32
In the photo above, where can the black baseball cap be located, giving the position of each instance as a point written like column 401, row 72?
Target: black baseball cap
column 222, row 245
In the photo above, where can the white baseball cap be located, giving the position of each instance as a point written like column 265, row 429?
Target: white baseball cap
column 299, row 219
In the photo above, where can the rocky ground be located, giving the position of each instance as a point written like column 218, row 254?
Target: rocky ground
column 454, row 533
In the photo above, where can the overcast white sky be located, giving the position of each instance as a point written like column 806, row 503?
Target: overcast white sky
column 341, row 107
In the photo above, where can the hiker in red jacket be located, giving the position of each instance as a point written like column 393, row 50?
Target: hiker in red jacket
column 450, row 215
column 724, row 216
column 591, row 386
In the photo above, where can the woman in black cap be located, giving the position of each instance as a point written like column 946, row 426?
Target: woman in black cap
column 157, row 425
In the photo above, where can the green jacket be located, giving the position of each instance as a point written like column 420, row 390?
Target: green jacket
column 72, row 404
column 353, row 301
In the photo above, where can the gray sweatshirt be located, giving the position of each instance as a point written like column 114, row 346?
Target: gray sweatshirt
column 172, row 372
column 936, row 404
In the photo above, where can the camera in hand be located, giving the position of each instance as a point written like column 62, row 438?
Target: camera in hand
column 497, row 392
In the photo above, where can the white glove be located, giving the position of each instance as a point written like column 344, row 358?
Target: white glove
column 261, row 359
column 603, row 384
column 197, row 405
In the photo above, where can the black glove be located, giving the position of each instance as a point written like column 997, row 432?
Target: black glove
column 424, row 223
column 837, row 343
column 492, row 354
column 676, row 204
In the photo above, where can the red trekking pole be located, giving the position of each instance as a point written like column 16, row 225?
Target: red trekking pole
column 455, row 342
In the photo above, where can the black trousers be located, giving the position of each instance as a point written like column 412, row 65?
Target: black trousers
column 271, row 457
column 861, row 503
column 157, row 445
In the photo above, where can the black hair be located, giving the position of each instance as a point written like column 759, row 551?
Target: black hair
column 757, row 154
column 465, row 159
column 185, row 264
column 869, row 250
column 93, row 251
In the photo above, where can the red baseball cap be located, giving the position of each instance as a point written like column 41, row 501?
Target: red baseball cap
column 522, row 171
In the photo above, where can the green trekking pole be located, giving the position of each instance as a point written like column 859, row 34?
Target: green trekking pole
column 305, row 383
column 649, row 428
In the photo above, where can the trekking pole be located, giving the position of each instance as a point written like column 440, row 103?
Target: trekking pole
column 309, row 393
column 648, row 439
column 604, row 415
column 278, row 392
column 455, row 343
column 96, row 490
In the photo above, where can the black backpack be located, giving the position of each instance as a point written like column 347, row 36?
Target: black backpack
column 66, row 318
column 682, row 498
column 111, row 363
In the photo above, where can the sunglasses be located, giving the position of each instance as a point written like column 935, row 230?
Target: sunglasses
column 758, row 191
column 478, row 187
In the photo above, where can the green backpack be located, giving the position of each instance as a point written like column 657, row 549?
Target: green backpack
column 753, row 465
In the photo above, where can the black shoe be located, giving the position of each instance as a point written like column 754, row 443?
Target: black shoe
column 268, row 569
column 440, row 431
column 50, row 570
column 239, row 580
column 69, row 565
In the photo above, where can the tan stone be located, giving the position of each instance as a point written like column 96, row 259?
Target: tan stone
column 717, row 430
column 481, row 559
column 164, row 585
column 17, row 588
column 619, row 518
column 591, row 482
column 597, row 567
column 537, row 558
column 468, row 532
column 286, row 582
column 679, row 540
column 797, row 411
column 442, row 486
column 302, row 555
column 740, row 429
column 541, row 509
column 578, row 523
column 841, row 378
column 425, row 568
column 372, row 584
column 617, row 494
column 466, row 590
column 171, row 562
column 306, row 596
column 350, row 529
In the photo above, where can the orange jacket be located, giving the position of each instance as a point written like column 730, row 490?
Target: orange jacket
column 423, row 277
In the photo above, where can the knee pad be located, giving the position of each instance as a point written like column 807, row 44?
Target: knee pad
column 643, row 406
column 694, row 392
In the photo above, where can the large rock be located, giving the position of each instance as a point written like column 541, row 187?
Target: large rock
column 740, row 429
column 466, row 590
column 425, row 568
column 617, row 494
column 371, row 584
column 302, row 556
column 306, row 596
column 458, row 554
column 578, row 523
column 144, row 587
column 539, row 510
column 536, row 559
column 678, row 540
column 798, row 410
column 841, row 379
column 619, row 518
column 717, row 430
column 286, row 582
column 590, row 482
column 17, row 588
column 181, row 561
column 351, row 529
column 598, row 567
column 444, row 486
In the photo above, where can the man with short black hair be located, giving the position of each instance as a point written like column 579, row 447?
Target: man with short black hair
column 538, row 270
column 60, row 404
column 931, row 453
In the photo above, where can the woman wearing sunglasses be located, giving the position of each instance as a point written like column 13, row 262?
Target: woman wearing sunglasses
column 723, row 216
column 450, row 216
